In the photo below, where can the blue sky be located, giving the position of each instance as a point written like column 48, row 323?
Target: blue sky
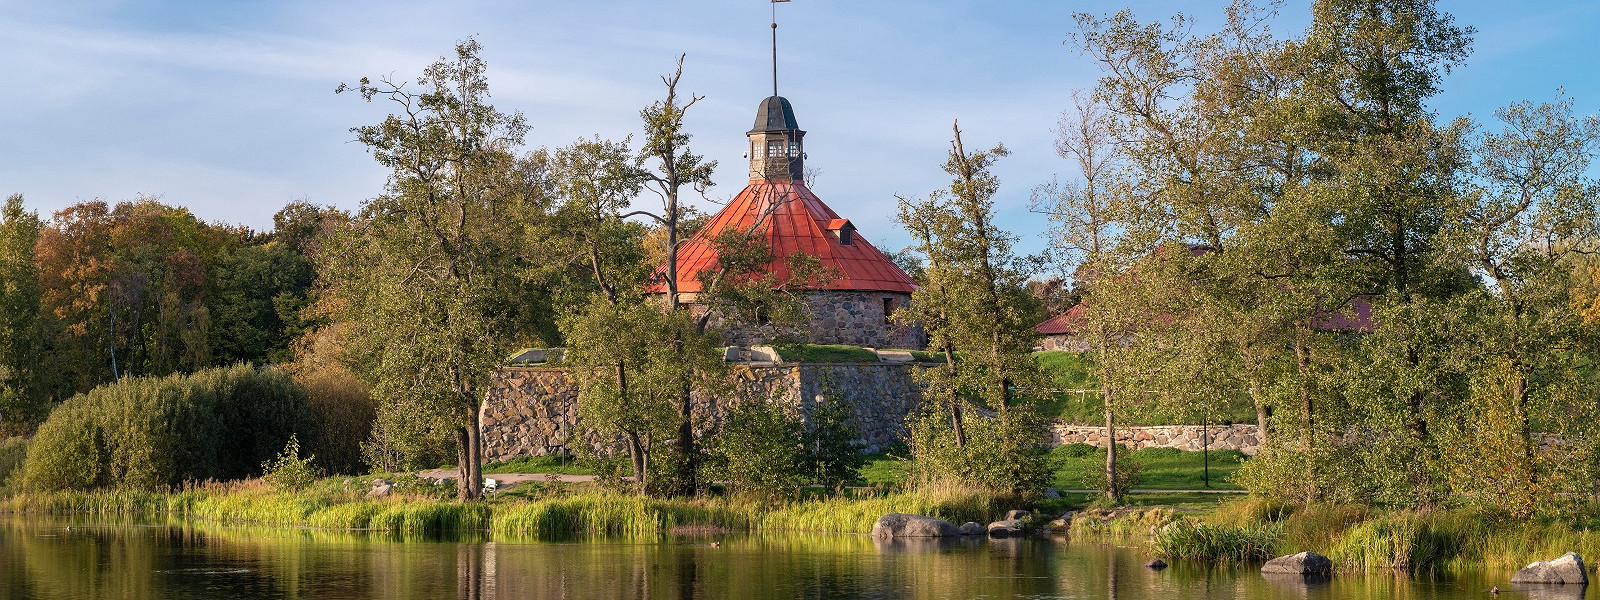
column 227, row 106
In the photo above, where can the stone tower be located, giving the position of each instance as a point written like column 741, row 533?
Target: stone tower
column 854, row 304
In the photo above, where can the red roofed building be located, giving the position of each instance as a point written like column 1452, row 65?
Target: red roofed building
column 852, row 305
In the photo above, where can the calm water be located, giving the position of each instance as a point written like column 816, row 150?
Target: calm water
column 95, row 560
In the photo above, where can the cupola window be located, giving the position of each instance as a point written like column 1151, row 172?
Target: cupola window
column 843, row 230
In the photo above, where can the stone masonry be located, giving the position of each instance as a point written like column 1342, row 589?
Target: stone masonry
column 1241, row 437
column 833, row 317
column 533, row 411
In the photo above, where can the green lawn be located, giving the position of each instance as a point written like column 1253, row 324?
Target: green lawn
column 1160, row 468
column 825, row 353
column 882, row 469
column 537, row 464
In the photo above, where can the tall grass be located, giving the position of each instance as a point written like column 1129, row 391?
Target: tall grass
column 1187, row 539
column 848, row 515
column 1404, row 541
column 585, row 515
column 614, row 516
column 114, row 503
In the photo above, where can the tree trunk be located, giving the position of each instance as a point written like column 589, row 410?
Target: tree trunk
column 957, row 422
column 1415, row 424
column 636, row 453
column 469, row 459
column 688, row 471
column 1519, row 399
column 1112, row 491
column 1262, row 414
column 1302, row 361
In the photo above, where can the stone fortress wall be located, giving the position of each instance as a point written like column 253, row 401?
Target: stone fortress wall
column 532, row 411
column 833, row 317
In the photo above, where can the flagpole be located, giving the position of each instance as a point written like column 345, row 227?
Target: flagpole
column 774, row 47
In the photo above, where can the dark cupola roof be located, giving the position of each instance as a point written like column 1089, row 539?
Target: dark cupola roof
column 775, row 114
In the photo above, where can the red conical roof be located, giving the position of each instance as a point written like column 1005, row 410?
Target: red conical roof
column 794, row 220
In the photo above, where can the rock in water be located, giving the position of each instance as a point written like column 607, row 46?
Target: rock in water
column 1304, row 563
column 1566, row 569
column 970, row 528
column 1156, row 564
column 1006, row 528
column 901, row 525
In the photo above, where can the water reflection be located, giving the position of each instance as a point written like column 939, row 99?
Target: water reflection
column 47, row 560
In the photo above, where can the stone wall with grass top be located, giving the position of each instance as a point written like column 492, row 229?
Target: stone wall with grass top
column 1241, row 437
column 533, row 411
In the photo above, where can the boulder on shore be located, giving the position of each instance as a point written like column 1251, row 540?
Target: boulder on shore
column 1566, row 569
column 971, row 528
column 1006, row 528
column 1304, row 563
column 1016, row 514
column 901, row 525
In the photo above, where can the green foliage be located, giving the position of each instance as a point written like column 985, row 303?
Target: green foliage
column 254, row 299
column 1114, row 488
column 23, row 394
column 832, row 454
column 1001, row 453
column 288, row 471
column 759, row 450
column 429, row 282
column 13, row 451
column 149, row 433
column 633, row 363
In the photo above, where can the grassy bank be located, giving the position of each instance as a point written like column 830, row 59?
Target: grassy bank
column 573, row 515
column 1357, row 538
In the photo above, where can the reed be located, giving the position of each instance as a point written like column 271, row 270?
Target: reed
column 116, row 503
column 614, row 516
column 857, row 515
column 1191, row 540
column 258, row 507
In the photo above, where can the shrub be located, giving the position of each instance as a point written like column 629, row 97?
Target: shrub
column 343, row 409
column 759, row 450
column 289, row 471
column 834, row 455
column 12, row 452
column 1127, row 475
column 159, row 432
column 1002, row 452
